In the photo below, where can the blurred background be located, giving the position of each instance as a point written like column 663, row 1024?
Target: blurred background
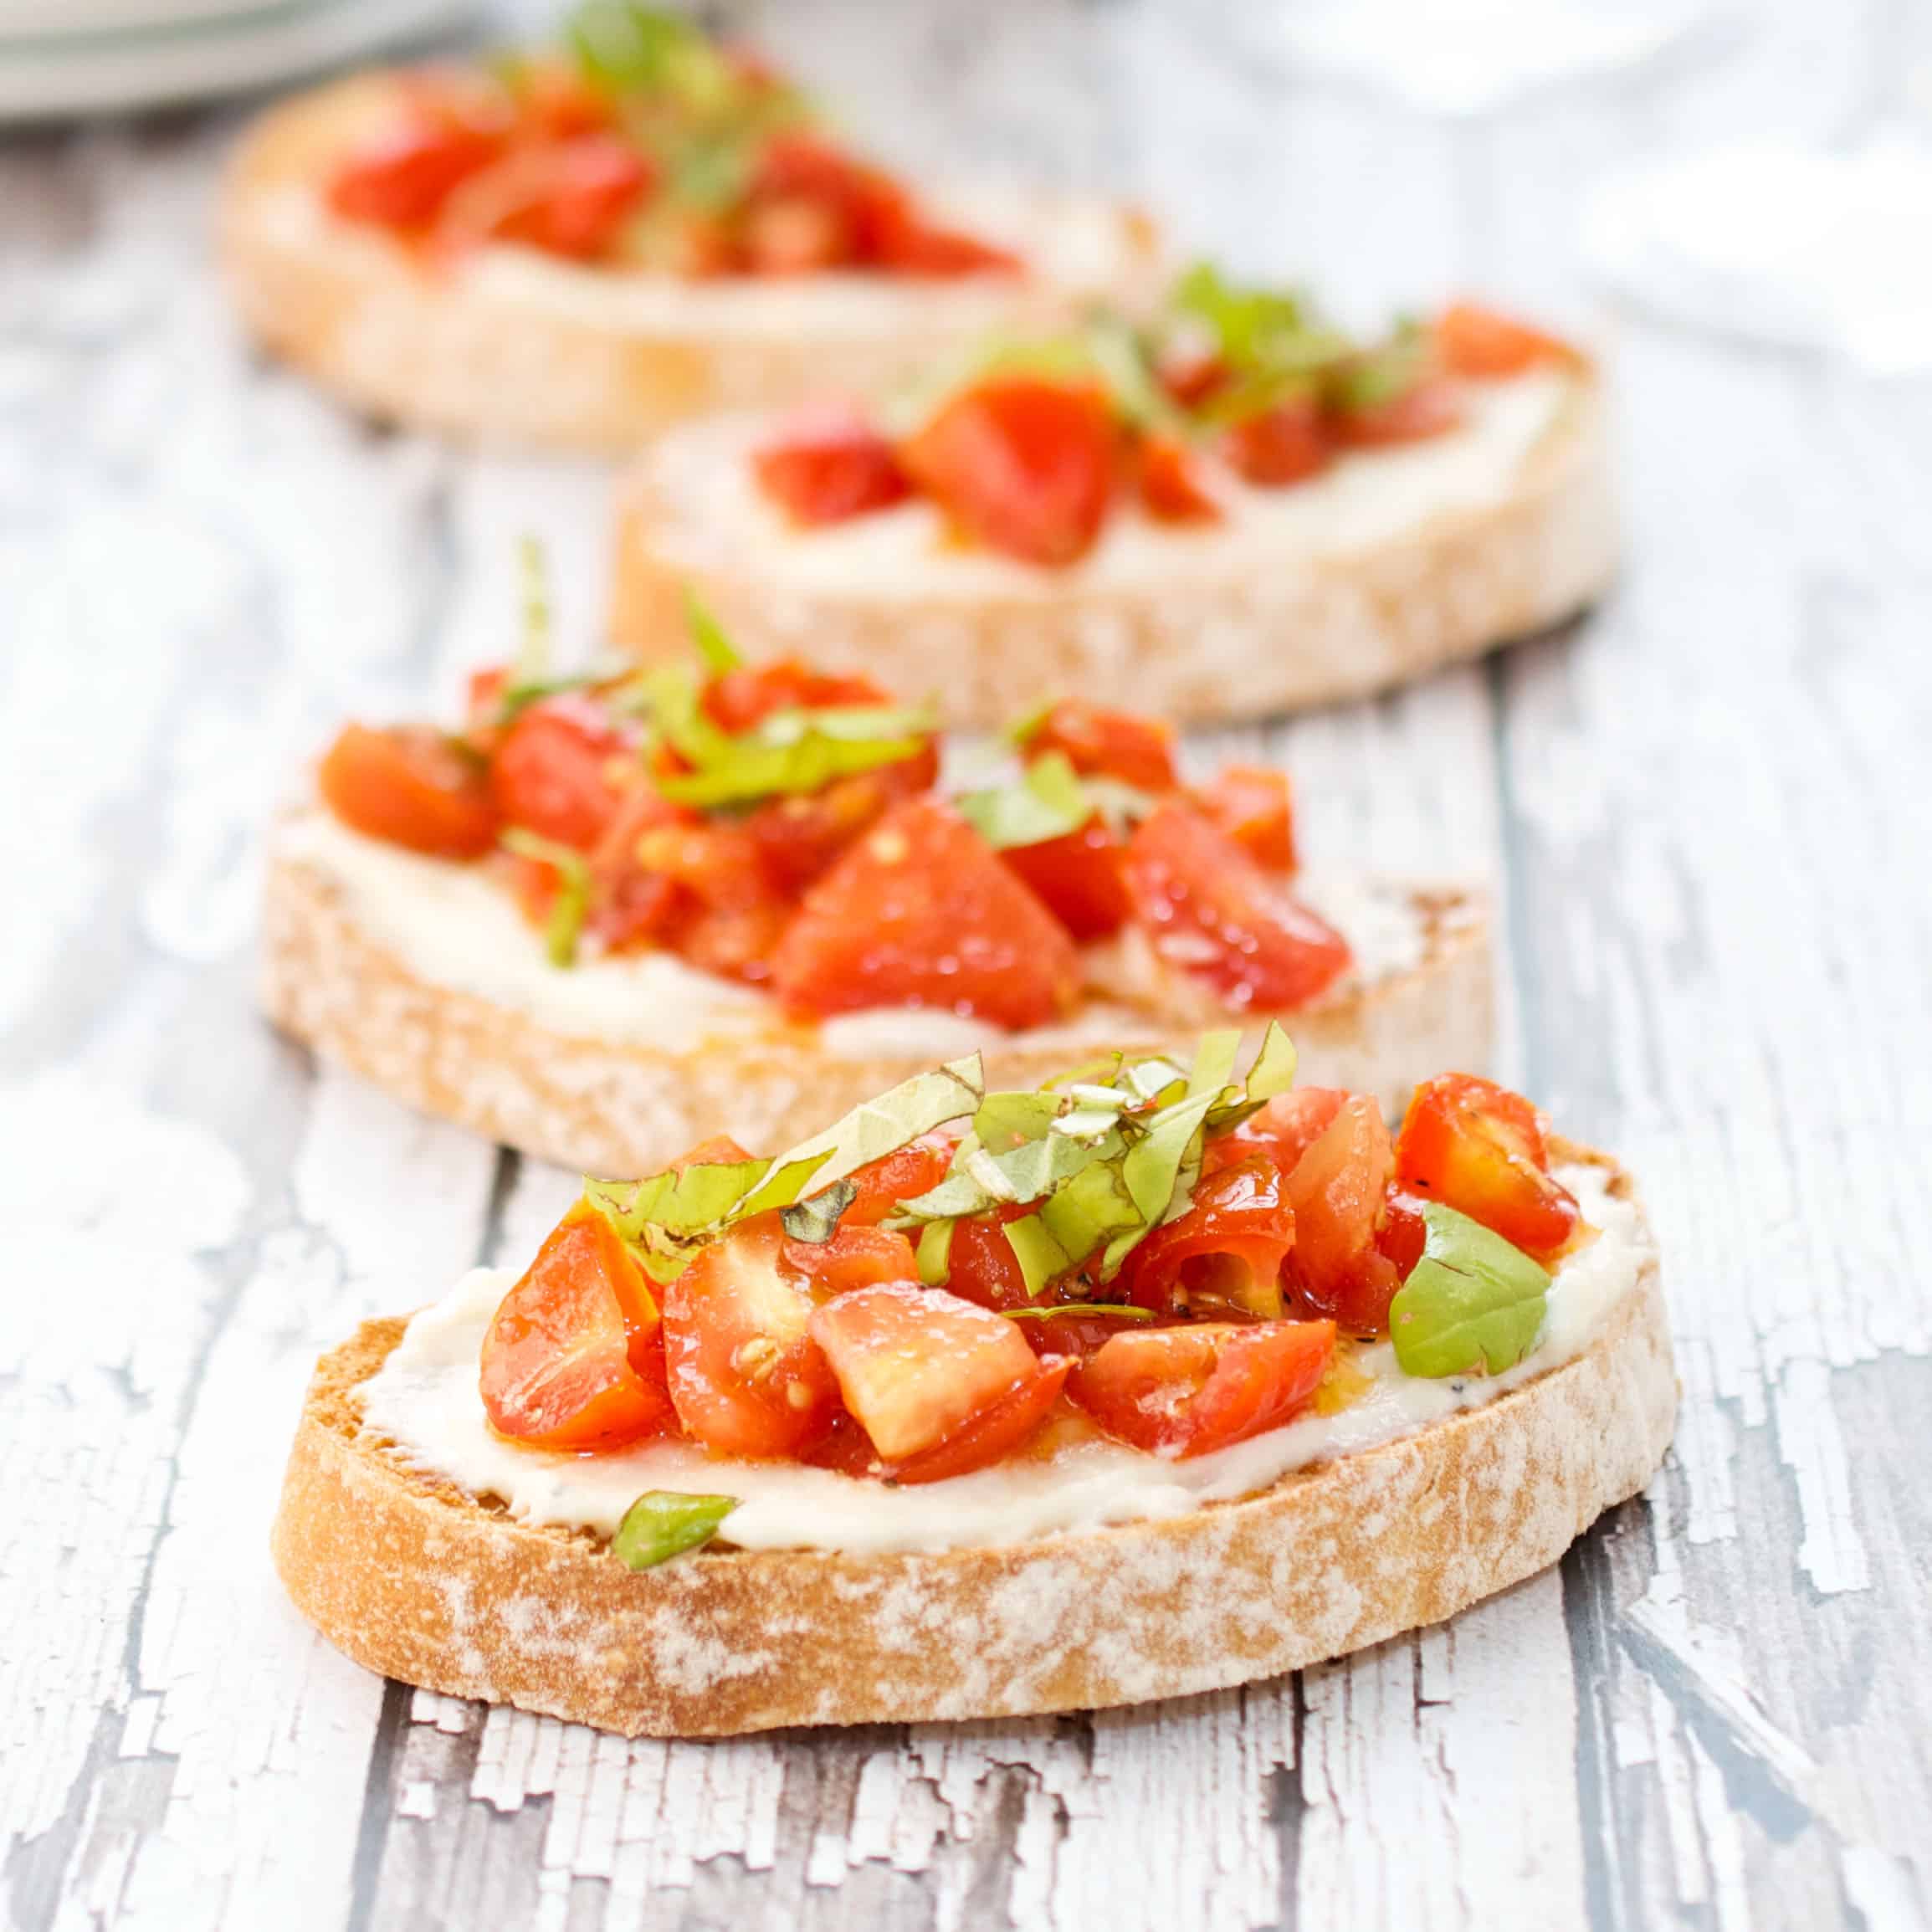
column 1706, row 810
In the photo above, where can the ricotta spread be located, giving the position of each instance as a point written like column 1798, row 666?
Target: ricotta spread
column 424, row 1401
column 452, row 925
column 1364, row 500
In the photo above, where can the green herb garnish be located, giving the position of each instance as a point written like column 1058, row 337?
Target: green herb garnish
column 1473, row 1305
column 1121, row 1311
column 663, row 1524
column 718, row 653
column 1047, row 801
column 564, row 927
column 815, row 1219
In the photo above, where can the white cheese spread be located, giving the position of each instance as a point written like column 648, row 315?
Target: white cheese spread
column 424, row 1400
column 452, row 926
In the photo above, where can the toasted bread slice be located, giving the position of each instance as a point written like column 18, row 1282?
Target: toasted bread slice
column 511, row 346
column 413, row 1577
column 335, row 976
column 1391, row 564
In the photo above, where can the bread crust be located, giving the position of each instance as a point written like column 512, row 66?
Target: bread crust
column 614, row 1107
column 1199, row 645
column 499, row 363
column 413, row 1578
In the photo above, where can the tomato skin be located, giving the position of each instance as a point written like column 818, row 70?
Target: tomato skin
column 1287, row 442
column 980, row 1265
column 1484, row 344
column 829, row 473
column 996, row 1431
column 1170, row 484
column 1183, row 1391
column 741, row 700
column 1284, row 1130
column 857, row 1255
column 1254, row 805
column 1102, row 744
column 1428, row 408
column 921, row 912
column 1211, row 911
column 918, row 1366
column 1479, row 1148
column 404, row 179
column 566, row 198
column 1023, row 466
column 1077, row 877
column 1223, row 1257
column 745, row 1376
column 630, row 905
column 1403, row 1232
column 897, row 1176
column 1338, row 1190
column 409, row 786
column 557, row 773
column 572, row 1358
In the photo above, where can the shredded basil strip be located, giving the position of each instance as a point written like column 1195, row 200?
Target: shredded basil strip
column 565, row 926
column 663, row 1524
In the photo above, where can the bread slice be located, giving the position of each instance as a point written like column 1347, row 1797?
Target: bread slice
column 514, row 347
column 606, row 1105
column 1393, row 564
column 412, row 1577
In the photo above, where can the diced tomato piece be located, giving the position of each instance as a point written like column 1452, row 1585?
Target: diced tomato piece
column 1172, row 490
column 735, row 942
column 1103, row 744
column 920, row 1368
column 1284, row 1130
column 746, row 1375
column 563, row 771
column 410, row 786
column 1210, row 910
column 921, row 912
column 796, row 235
column 573, row 1358
column 980, row 1265
column 1021, row 464
column 715, row 1150
column 1475, row 342
column 1403, row 1233
column 899, row 1176
column 1479, row 1149
column 1254, row 805
column 1186, row 1391
column 1430, row 407
column 1287, row 442
column 631, row 904
column 797, row 167
column 570, row 198
column 799, row 836
column 995, row 1433
column 828, row 472
column 1078, row 878
column 855, row 1257
column 1191, row 379
column 1223, row 1256
column 1338, row 1189
column 484, row 695
column 739, row 700
column 404, row 178
column 919, row 248
column 554, row 103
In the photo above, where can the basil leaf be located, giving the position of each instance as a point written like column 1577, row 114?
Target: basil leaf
column 688, row 1202
column 1381, row 374
column 519, row 695
column 1125, row 1310
column 663, row 1524
column 718, row 653
column 1473, row 1305
column 1047, row 801
column 815, row 1219
column 1041, row 1257
column 935, row 1252
column 565, row 926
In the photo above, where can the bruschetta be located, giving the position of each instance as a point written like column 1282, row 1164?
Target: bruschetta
column 982, row 1404
column 574, row 249
column 608, row 915
column 1232, row 512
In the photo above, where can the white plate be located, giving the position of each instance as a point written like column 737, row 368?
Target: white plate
column 122, row 54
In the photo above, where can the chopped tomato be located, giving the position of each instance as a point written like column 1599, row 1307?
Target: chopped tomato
column 1184, row 1390
column 1078, row 878
column 1472, row 340
column 1210, row 910
column 1254, row 805
column 1223, row 1256
column 715, row 1150
column 1403, row 1232
column 1338, row 1189
column 1021, row 464
column 566, row 198
column 739, row 700
column 1286, row 443
column 1427, row 409
column 921, row 1368
column 745, row 1375
column 1171, row 487
column 1284, row 1130
column 855, row 1257
column 733, row 941
column 403, row 179
column 799, row 837
column 484, row 696
column 796, row 235
column 918, row 247
column 921, row 912
column 554, row 103
column 862, row 205
column 828, row 472
column 1479, row 1149
column 897, row 1176
column 410, row 786
column 1103, row 744
column 1191, row 379
column 996, row 1431
column 573, row 1358
column 563, row 771
column 980, row 1265
column 630, row 903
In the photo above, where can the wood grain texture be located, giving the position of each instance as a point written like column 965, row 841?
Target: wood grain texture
column 1707, row 811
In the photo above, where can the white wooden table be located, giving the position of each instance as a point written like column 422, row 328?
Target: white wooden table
column 1707, row 807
